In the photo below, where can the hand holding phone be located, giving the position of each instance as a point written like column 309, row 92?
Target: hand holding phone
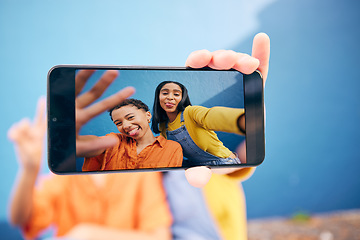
column 86, row 108
column 199, row 176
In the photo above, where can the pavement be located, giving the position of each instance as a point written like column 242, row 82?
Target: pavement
column 340, row 225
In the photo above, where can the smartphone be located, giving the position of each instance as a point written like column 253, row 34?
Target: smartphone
column 217, row 103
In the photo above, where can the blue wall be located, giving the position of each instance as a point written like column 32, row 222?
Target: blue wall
column 313, row 110
column 312, row 100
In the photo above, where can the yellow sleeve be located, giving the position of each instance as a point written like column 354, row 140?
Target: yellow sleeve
column 226, row 201
column 229, row 207
column 222, row 119
column 242, row 174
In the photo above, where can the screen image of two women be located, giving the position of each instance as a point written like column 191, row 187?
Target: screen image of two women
column 186, row 134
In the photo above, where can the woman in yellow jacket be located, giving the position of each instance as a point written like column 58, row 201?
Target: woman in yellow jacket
column 193, row 127
column 222, row 201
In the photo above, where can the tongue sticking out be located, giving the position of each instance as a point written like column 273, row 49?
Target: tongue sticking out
column 134, row 132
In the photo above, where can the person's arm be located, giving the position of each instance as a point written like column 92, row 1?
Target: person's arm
column 93, row 162
column 91, row 153
column 222, row 60
column 97, row 232
column 86, row 110
column 28, row 138
column 222, row 119
column 22, row 199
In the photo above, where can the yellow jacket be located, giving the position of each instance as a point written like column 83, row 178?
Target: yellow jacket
column 224, row 194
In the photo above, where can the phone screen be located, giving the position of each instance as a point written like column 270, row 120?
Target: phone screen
column 204, row 130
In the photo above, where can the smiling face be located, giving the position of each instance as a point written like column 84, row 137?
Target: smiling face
column 132, row 121
column 170, row 97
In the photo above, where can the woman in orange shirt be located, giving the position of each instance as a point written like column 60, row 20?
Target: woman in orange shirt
column 136, row 147
column 113, row 206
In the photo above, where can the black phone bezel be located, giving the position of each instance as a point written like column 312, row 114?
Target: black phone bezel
column 61, row 116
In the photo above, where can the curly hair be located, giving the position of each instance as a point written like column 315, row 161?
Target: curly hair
column 130, row 101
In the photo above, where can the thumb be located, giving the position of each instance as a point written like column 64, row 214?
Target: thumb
column 198, row 176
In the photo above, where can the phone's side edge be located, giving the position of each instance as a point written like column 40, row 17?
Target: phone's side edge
column 254, row 118
column 58, row 116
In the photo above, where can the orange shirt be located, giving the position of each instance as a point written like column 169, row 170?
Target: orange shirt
column 161, row 154
column 128, row 201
